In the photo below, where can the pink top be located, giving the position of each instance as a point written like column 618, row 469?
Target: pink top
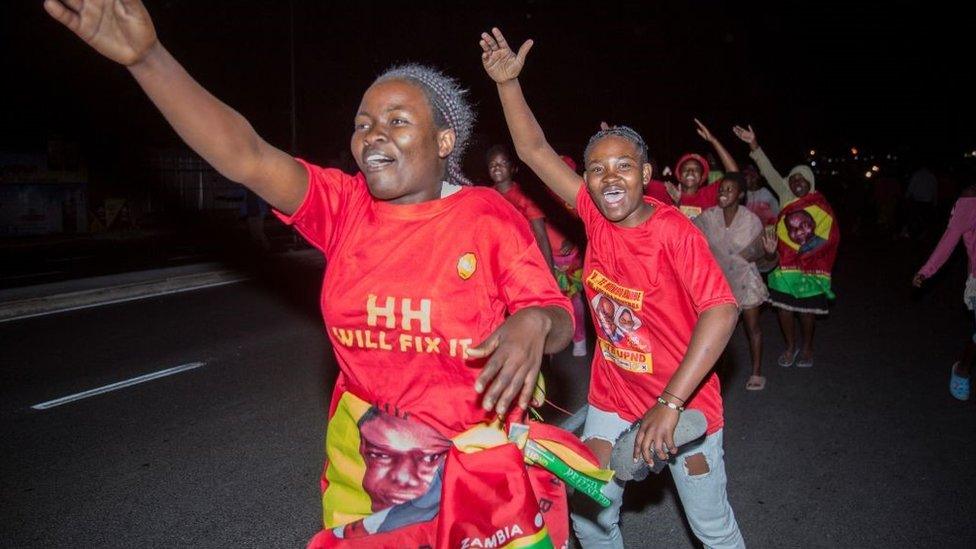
column 962, row 223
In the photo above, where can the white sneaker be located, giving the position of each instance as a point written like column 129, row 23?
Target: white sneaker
column 579, row 348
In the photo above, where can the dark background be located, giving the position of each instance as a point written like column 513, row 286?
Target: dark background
column 882, row 76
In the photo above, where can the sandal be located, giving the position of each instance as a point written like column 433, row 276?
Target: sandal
column 756, row 383
column 786, row 360
column 805, row 363
column 958, row 386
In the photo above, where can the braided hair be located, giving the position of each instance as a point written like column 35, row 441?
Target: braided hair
column 449, row 105
column 625, row 132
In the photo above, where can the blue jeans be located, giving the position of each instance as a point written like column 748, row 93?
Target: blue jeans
column 703, row 496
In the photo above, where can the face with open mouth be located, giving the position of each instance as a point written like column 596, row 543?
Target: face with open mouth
column 397, row 145
column 799, row 185
column 728, row 193
column 690, row 175
column 615, row 178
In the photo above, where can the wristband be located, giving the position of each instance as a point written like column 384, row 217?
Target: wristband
column 671, row 405
column 666, row 392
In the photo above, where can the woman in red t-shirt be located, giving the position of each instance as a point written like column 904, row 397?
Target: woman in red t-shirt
column 692, row 174
column 434, row 291
column 662, row 310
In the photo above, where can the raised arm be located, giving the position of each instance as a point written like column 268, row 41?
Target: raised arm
column 775, row 180
column 122, row 31
column 503, row 66
column 728, row 163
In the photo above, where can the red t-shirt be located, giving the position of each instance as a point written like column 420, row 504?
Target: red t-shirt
column 522, row 203
column 646, row 287
column 692, row 205
column 409, row 287
column 531, row 212
column 656, row 189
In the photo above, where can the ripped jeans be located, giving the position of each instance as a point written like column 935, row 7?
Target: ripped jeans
column 703, row 496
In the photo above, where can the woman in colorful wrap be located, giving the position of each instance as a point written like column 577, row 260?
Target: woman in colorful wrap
column 808, row 238
column 694, row 194
column 738, row 241
column 962, row 225
column 662, row 308
column 436, row 300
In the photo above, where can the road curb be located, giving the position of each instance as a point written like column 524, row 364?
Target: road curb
column 17, row 309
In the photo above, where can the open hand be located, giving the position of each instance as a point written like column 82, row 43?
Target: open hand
column 673, row 191
column 118, row 29
column 747, row 135
column 515, row 357
column 500, row 62
column 769, row 242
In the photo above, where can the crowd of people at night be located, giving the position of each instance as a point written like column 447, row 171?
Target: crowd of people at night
column 442, row 297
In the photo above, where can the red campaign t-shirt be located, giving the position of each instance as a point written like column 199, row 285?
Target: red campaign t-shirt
column 646, row 287
column 408, row 287
column 531, row 212
column 692, row 205
column 522, row 203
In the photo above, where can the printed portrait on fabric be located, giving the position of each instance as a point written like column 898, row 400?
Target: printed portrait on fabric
column 623, row 338
column 802, row 231
column 402, row 457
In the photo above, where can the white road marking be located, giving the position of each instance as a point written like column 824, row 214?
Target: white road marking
column 117, row 385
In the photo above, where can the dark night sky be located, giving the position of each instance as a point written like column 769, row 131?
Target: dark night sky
column 879, row 75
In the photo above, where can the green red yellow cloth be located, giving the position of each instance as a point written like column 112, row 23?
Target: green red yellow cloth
column 808, row 240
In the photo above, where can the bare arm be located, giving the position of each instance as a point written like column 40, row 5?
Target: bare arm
column 708, row 340
column 122, row 31
column 728, row 163
column 504, row 66
column 542, row 239
column 775, row 180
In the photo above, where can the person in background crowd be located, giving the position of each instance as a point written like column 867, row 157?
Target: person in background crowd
column 560, row 252
column 737, row 239
column 758, row 198
column 920, row 201
column 962, row 225
column 501, row 169
column 692, row 174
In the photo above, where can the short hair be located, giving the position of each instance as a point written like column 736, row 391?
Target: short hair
column 737, row 178
column 496, row 149
column 624, row 132
column 449, row 104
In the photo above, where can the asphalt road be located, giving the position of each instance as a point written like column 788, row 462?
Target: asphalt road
column 866, row 449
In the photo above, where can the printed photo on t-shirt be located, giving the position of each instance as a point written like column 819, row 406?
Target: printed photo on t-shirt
column 623, row 338
column 691, row 212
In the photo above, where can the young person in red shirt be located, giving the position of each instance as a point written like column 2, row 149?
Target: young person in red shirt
column 501, row 170
column 560, row 252
column 691, row 172
column 437, row 302
column 672, row 313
